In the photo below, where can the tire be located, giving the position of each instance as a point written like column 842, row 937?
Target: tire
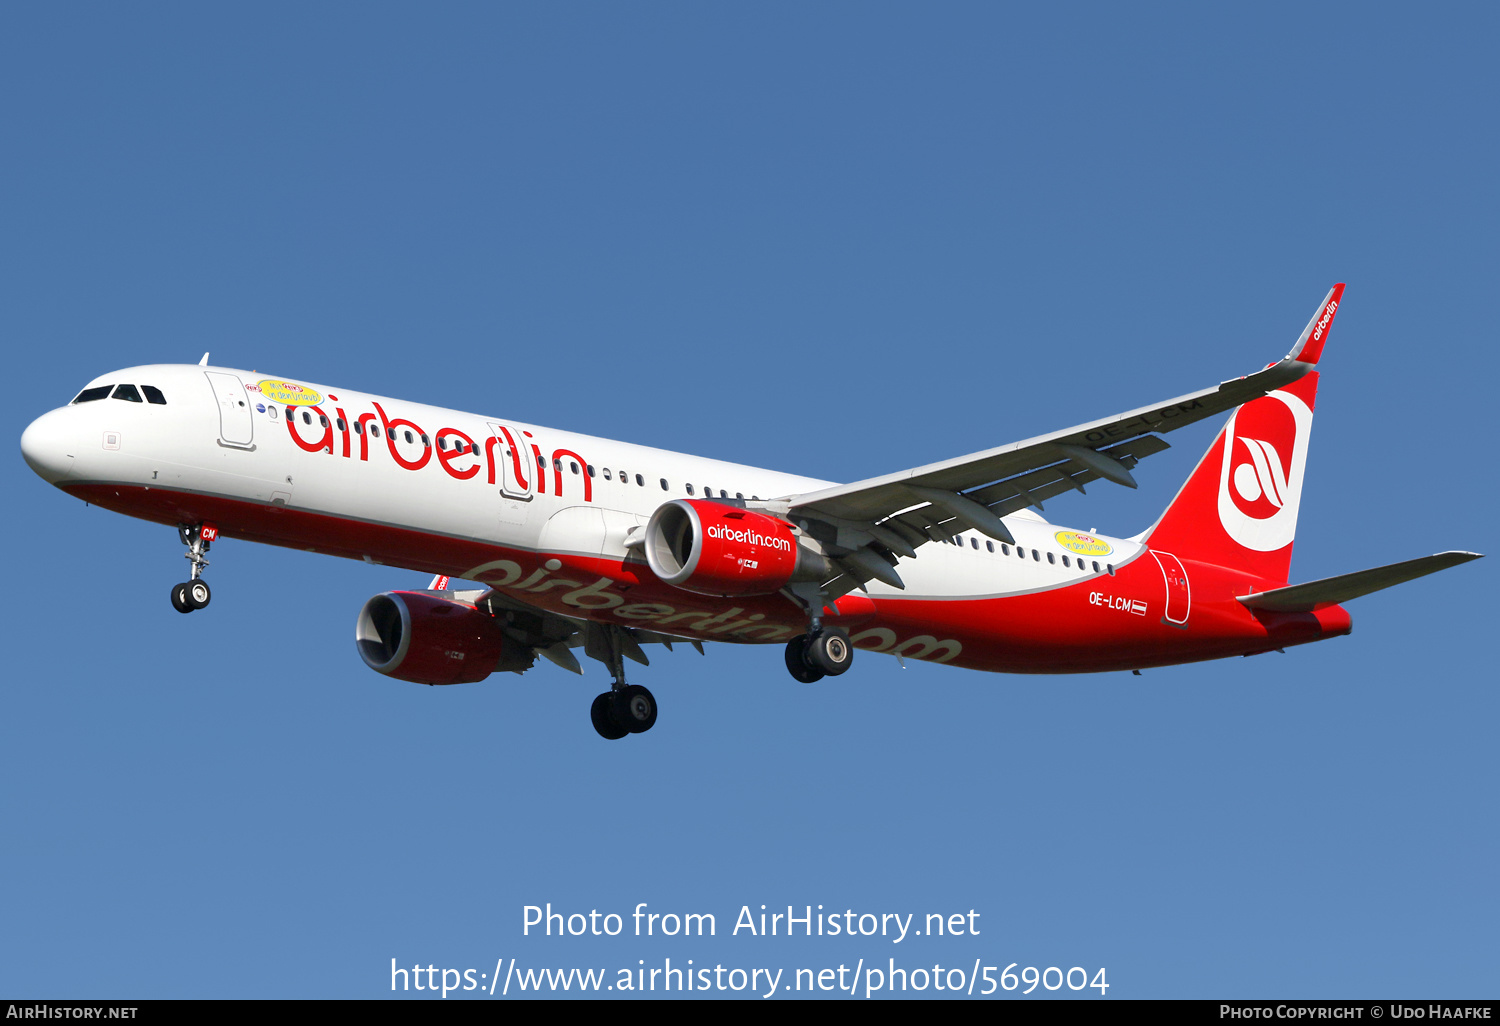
column 180, row 599
column 797, row 664
column 634, row 708
column 829, row 651
column 603, row 722
column 197, row 593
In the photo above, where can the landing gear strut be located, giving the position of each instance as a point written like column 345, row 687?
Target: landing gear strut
column 625, row 708
column 194, row 593
column 821, row 652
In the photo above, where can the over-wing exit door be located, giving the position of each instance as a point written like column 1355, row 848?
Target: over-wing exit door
column 518, row 472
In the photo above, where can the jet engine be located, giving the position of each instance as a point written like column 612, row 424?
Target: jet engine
column 714, row 549
column 429, row 639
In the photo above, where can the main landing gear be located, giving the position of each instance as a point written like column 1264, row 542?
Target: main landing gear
column 821, row 652
column 194, row 593
column 625, row 708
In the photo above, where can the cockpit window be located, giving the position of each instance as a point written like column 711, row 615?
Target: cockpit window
column 153, row 395
column 128, row 393
column 88, row 395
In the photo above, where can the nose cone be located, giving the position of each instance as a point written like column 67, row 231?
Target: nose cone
column 46, row 446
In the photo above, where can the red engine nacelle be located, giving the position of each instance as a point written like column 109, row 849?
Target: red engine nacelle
column 427, row 639
column 713, row 549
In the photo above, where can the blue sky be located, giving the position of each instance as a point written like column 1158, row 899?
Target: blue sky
column 836, row 240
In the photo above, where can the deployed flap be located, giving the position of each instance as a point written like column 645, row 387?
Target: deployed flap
column 1305, row 598
column 552, row 635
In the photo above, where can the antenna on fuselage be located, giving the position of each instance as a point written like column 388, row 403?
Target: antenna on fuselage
column 203, row 362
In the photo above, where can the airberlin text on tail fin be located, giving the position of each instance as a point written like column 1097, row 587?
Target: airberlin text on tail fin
column 1239, row 507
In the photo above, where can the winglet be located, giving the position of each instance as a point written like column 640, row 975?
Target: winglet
column 1310, row 346
column 203, row 362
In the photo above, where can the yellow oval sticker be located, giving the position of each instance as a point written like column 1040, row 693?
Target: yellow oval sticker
column 288, row 394
column 1083, row 544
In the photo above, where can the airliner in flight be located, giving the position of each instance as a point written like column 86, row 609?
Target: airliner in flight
column 573, row 542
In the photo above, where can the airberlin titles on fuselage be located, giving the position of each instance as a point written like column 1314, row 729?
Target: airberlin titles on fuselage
column 344, row 429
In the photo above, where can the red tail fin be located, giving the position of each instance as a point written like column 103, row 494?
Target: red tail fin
column 1238, row 509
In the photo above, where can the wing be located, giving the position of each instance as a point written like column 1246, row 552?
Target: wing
column 865, row 525
column 554, row 636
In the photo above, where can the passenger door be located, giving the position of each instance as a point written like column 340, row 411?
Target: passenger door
column 236, row 425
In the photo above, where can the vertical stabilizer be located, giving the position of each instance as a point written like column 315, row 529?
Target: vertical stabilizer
column 1239, row 507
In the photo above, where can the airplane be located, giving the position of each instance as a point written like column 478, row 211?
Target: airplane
column 576, row 542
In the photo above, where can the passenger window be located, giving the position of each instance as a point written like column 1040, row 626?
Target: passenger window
column 306, row 417
column 442, row 443
column 990, row 545
column 374, row 430
column 1111, row 568
column 640, row 481
column 690, row 489
column 541, row 464
column 127, row 392
column 663, row 484
column 1005, row 548
column 573, row 465
column 408, row 436
column 557, row 464
column 723, row 494
column 153, row 395
column 606, row 474
column 359, row 425
column 1065, row 561
column 590, row 469
column 427, row 442
column 1051, row 559
column 88, row 395
column 1096, row 566
column 322, row 420
column 272, row 411
column 342, row 425
column 740, row 496
column 974, row 542
column 1036, row 555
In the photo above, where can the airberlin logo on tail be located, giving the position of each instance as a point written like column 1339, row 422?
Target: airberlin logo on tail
column 1263, row 477
column 718, row 532
column 1260, row 484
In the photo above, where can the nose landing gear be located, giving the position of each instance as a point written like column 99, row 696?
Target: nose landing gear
column 194, row 593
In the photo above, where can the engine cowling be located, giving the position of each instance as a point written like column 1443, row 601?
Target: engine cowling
column 428, row 639
column 710, row 548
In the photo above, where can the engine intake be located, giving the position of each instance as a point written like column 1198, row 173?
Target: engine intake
column 713, row 549
column 425, row 639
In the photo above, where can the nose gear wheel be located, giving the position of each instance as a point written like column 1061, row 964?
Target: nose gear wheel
column 193, row 593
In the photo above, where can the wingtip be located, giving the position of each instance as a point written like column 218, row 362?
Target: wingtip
column 1309, row 347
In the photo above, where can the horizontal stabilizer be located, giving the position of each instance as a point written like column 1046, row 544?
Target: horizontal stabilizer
column 1305, row 598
